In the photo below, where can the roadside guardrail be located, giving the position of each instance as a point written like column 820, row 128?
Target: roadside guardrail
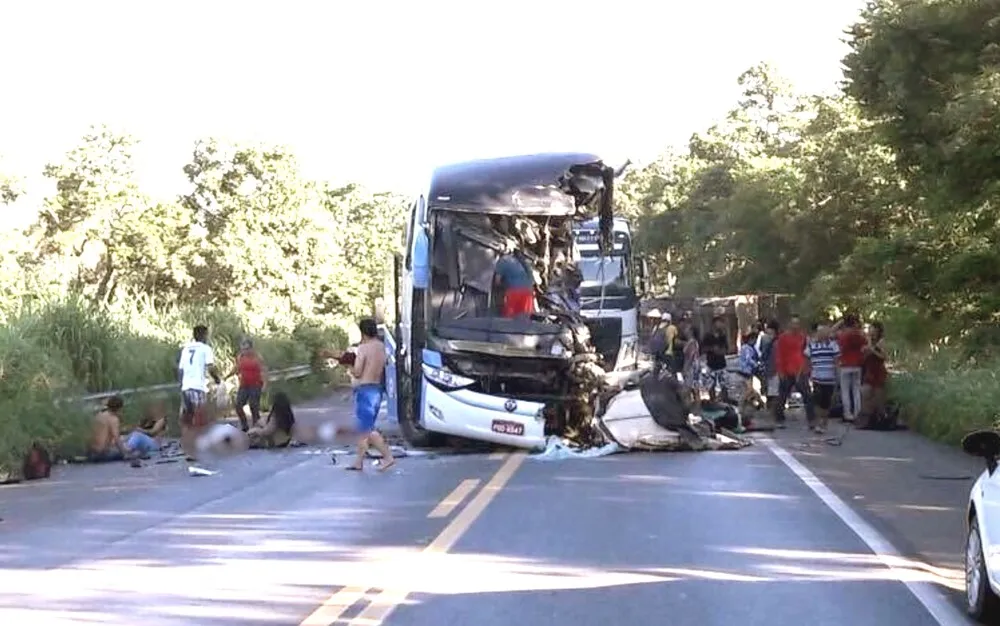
column 289, row 373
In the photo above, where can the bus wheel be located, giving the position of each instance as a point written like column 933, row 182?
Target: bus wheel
column 409, row 405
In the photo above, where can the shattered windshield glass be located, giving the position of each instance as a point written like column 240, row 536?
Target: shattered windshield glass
column 599, row 271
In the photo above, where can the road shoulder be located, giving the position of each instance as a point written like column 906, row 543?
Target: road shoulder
column 912, row 490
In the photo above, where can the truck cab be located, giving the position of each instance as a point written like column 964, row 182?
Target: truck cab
column 613, row 282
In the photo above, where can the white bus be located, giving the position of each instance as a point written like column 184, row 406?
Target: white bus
column 458, row 367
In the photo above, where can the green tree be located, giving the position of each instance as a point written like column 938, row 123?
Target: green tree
column 266, row 242
column 82, row 230
column 927, row 74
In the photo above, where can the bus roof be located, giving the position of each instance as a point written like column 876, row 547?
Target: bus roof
column 538, row 184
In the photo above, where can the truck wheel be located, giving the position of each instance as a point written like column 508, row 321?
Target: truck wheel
column 409, row 403
column 981, row 603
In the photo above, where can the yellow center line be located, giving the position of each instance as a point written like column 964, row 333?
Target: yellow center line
column 383, row 604
column 453, row 499
column 335, row 606
column 389, row 599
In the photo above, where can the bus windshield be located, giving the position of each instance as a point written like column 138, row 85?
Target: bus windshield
column 598, row 271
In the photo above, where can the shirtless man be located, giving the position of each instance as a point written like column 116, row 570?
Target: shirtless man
column 105, row 442
column 367, row 374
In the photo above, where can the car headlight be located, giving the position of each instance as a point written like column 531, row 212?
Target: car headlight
column 557, row 349
column 444, row 378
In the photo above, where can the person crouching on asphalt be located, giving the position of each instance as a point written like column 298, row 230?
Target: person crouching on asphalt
column 276, row 430
column 822, row 352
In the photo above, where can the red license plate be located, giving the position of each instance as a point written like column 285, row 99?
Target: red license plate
column 505, row 427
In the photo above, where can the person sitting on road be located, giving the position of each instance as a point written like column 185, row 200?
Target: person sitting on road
column 106, row 443
column 144, row 439
column 276, row 430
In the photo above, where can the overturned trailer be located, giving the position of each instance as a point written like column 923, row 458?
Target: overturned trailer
column 457, row 367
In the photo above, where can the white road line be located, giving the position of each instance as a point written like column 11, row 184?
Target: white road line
column 943, row 611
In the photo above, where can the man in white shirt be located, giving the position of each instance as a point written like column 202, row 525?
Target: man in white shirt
column 196, row 360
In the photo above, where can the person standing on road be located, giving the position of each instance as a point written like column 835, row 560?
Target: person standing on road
column 368, row 381
column 691, row 371
column 792, row 367
column 876, row 375
column 822, row 352
column 662, row 345
column 715, row 346
column 250, row 370
column 197, row 358
column 749, row 366
column 852, row 342
column 769, row 363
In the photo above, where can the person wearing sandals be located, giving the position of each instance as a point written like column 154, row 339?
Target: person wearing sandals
column 368, row 380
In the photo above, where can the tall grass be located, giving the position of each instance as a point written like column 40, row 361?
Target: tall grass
column 61, row 349
column 944, row 395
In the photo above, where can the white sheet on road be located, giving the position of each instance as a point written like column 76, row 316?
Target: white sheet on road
column 557, row 450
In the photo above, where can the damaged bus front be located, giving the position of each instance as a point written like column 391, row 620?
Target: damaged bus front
column 459, row 366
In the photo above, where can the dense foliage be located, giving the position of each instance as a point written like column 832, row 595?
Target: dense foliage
column 883, row 197
column 105, row 284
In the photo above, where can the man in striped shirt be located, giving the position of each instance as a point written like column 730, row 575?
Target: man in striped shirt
column 822, row 351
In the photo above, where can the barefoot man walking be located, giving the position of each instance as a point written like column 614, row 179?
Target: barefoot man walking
column 367, row 376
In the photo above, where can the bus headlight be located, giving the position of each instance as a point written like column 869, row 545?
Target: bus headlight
column 446, row 379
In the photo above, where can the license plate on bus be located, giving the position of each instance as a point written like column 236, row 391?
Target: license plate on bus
column 505, row 427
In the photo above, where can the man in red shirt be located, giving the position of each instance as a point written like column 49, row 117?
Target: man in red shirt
column 852, row 356
column 793, row 369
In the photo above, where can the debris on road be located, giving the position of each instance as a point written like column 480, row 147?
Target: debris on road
column 556, row 449
column 656, row 417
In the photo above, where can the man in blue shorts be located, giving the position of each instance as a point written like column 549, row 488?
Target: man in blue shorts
column 367, row 379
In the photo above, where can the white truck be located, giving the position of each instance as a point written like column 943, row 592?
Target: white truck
column 457, row 367
column 613, row 282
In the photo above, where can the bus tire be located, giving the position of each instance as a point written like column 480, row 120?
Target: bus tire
column 409, row 424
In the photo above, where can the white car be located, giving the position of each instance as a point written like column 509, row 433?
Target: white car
column 982, row 543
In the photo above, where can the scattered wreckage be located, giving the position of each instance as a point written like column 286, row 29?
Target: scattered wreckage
column 458, row 368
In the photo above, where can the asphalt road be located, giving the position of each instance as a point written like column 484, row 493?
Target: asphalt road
column 747, row 537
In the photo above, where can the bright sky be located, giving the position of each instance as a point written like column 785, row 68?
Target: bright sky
column 380, row 92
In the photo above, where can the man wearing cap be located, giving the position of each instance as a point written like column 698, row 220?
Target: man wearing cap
column 662, row 344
